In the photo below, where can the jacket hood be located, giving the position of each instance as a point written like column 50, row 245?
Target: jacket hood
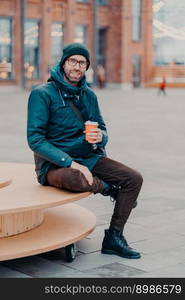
column 57, row 75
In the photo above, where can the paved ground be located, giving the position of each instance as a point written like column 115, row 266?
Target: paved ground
column 147, row 133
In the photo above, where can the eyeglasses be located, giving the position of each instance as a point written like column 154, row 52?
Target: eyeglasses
column 82, row 63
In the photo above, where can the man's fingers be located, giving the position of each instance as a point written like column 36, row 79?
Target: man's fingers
column 94, row 130
column 94, row 137
column 92, row 134
column 90, row 180
column 87, row 174
column 85, row 171
column 89, row 177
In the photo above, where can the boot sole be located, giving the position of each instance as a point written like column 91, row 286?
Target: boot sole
column 105, row 251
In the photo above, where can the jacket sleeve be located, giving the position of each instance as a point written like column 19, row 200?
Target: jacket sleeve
column 102, row 126
column 37, row 121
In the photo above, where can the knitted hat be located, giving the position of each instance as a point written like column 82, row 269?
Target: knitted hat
column 75, row 49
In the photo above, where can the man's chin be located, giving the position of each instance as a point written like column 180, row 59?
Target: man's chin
column 74, row 79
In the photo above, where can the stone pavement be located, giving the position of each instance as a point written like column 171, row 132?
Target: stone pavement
column 146, row 132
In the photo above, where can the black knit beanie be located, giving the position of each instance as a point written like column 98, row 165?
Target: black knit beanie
column 75, row 49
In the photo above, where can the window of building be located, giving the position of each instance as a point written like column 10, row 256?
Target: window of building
column 80, row 34
column 84, row 1
column 57, row 42
column 31, row 43
column 169, row 32
column 102, row 2
column 5, row 45
column 136, row 20
column 102, row 46
column 99, row 2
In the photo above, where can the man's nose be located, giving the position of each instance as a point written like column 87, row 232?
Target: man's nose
column 77, row 66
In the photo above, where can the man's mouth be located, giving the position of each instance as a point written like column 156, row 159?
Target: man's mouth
column 75, row 74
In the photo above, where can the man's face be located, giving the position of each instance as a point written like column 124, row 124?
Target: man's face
column 74, row 68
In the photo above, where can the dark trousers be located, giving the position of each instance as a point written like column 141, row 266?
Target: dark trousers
column 110, row 171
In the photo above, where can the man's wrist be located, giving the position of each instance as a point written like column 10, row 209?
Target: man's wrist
column 66, row 162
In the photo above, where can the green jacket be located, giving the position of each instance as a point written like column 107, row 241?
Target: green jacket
column 54, row 132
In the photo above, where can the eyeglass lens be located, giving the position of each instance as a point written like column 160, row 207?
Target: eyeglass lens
column 73, row 62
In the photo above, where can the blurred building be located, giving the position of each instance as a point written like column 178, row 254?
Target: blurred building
column 119, row 34
column 169, row 41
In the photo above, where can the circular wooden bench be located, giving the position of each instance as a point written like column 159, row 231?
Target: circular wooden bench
column 26, row 205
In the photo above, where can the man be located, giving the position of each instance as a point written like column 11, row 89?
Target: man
column 101, row 76
column 64, row 158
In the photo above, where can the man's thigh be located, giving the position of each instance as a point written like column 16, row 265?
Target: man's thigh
column 68, row 178
column 113, row 171
column 73, row 180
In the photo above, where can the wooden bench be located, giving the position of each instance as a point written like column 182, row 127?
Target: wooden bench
column 29, row 224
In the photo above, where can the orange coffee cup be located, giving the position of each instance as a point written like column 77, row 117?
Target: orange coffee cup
column 88, row 126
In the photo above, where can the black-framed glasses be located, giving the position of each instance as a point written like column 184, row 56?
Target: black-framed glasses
column 82, row 63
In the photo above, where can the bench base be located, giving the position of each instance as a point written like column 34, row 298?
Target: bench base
column 62, row 226
column 15, row 223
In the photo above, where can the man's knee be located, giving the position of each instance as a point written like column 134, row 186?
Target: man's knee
column 137, row 178
column 133, row 178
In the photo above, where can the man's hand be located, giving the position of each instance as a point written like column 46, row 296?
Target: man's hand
column 95, row 135
column 84, row 170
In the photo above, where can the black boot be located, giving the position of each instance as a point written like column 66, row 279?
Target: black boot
column 115, row 243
